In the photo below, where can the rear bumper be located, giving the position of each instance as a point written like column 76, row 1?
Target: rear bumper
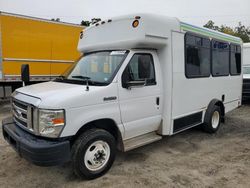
column 37, row 150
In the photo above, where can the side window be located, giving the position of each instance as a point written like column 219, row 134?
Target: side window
column 235, row 59
column 220, row 58
column 197, row 60
column 141, row 67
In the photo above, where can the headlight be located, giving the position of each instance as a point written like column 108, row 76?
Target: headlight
column 50, row 122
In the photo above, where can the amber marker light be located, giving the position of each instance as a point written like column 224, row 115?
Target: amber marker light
column 58, row 121
column 135, row 23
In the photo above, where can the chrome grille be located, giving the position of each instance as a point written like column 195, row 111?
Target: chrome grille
column 22, row 114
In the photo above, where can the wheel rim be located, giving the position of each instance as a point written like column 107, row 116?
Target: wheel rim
column 97, row 155
column 215, row 119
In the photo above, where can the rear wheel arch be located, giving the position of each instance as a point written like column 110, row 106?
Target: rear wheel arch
column 214, row 116
column 219, row 103
column 108, row 125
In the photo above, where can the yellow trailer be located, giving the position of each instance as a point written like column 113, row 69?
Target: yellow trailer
column 49, row 47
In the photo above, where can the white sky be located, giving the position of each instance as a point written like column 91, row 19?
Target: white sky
column 196, row 12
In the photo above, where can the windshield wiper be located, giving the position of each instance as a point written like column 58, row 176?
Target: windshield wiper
column 81, row 77
column 89, row 79
column 86, row 78
column 61, row 77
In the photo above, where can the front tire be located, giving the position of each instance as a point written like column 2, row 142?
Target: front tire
column 93, row 153
column 212, row 120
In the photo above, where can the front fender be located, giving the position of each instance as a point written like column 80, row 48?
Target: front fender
column 78, row 117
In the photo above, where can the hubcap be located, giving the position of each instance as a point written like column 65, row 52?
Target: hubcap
column 97, row 155
column 215, row 119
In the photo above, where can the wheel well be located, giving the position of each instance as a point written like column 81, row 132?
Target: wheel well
column 221, row 105
column 222, row 108
column 106, row 124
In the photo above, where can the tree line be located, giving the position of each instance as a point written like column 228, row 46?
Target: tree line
column 240, row 30
column 83, row 22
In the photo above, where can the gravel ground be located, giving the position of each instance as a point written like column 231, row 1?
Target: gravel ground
column 189, row 159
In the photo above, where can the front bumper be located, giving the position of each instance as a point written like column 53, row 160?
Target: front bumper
column 37, row 150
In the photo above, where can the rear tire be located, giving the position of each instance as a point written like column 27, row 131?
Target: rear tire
column 93, row 153
column 212, row 119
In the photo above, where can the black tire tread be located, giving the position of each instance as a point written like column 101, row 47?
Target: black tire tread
column 82, row 140
column 207, row 126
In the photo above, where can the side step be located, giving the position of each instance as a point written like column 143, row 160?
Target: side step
column 141, row 140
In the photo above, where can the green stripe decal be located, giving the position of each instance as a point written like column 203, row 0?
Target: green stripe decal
column 211, row 34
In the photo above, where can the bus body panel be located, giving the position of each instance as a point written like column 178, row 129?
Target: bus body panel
column 196, row 93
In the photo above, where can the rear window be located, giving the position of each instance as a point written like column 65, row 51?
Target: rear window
column 246, row 70
column 235, row 59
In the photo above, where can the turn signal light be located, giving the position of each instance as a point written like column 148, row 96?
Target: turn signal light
column 58, row 121
column 135, row 23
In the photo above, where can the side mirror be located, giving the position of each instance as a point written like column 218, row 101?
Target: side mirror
column 128, row 84
column 135, row 84
column 25, row 73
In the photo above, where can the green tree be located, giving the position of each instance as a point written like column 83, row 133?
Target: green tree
column 55, row 19
column 227, row 30
column 95, row 20
column 240, row 31
column 210, row 25
column 85, row 23
column 88, row 23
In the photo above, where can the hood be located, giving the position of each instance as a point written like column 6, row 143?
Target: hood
column 46, row 89
column 54, row 95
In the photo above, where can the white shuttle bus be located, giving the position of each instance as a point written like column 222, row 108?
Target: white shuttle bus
column 141, row 78
column 246, row 71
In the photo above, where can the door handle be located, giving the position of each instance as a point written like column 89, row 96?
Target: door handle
column 158, row 101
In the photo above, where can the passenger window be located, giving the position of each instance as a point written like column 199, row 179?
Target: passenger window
column 220, row 58
column 235, row 59
column 141, row 67
column 197, row 60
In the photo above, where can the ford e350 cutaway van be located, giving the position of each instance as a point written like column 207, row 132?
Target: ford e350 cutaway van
column 141, row 78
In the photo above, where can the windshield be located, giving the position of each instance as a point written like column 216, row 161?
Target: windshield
column 246, row 70
column 96, row 67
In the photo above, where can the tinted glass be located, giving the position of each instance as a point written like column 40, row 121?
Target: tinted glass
column 141, row 67
column 197, row 61
column 190, row 39
column 206, row 43
column 246, row 70
column 235, row 60
column 220, row 58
